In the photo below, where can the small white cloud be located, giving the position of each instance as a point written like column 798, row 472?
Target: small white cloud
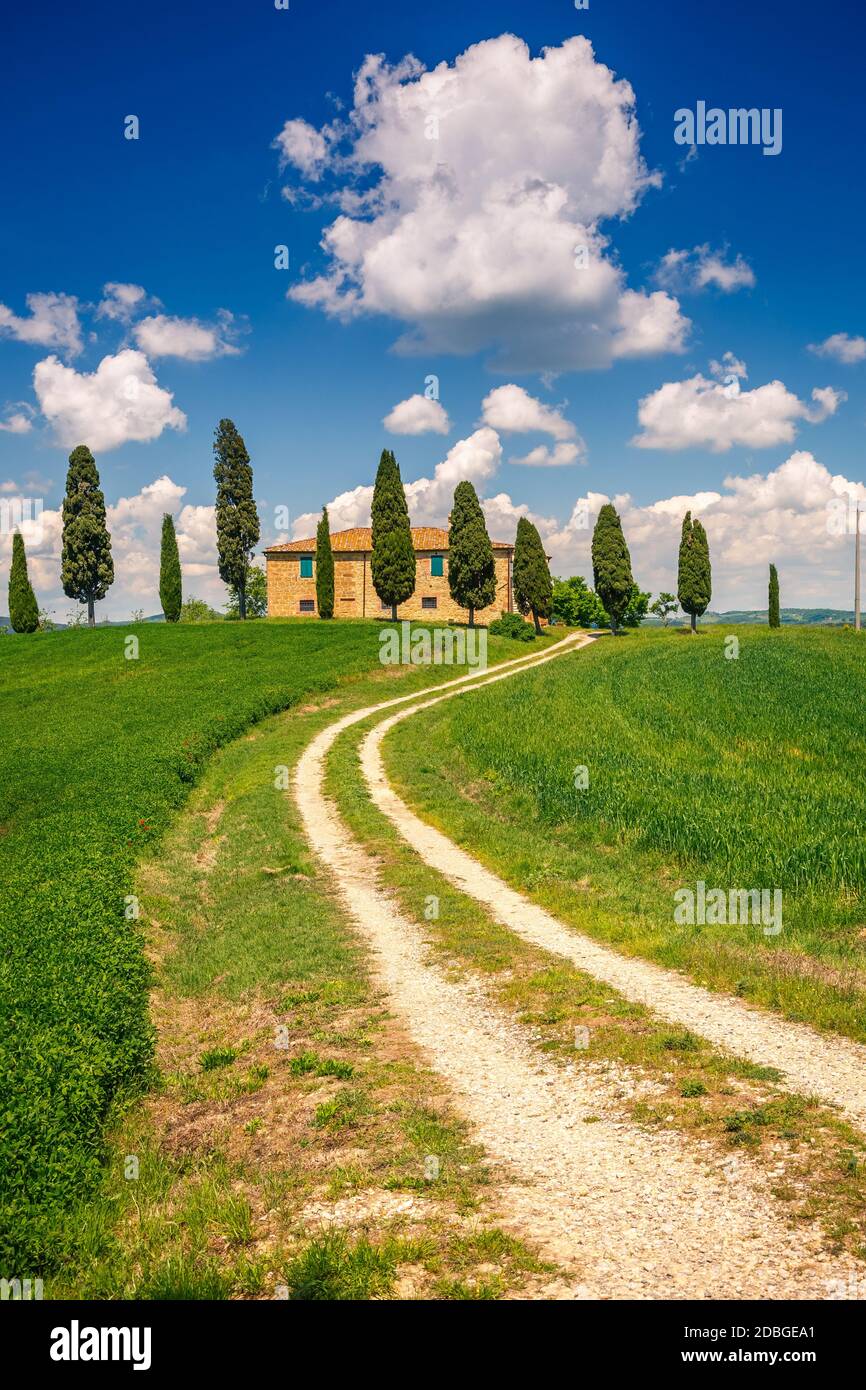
column 729, row 367
column 122, row 302
column 162, row 335
column 703, row 413
column 303, row 147
column 648, row 324
column 417, row 415
column 53, row 322
column 18, row 421
column 120, row 401
column 558, row 457
column 16, row 424
column 682, row 271
column 842, row 347
column 513, row 410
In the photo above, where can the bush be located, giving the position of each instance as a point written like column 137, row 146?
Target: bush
column 513, row 626
column 195, row 610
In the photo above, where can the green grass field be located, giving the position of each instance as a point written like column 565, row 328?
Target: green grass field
column 747, row 773
column 98, row 753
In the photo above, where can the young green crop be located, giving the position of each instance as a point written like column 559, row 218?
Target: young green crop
column 750, row 766
column 98, row 752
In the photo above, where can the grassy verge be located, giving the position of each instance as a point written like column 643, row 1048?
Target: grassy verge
column 661, row 1076
column 737, row 772
column 295, row 1146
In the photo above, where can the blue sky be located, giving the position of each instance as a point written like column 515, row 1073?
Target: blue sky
column 192, row 210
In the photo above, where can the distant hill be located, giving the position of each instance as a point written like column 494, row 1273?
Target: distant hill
column 121, row 622
column 794, row 617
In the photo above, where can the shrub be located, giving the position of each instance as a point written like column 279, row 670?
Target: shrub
column 217, row 1057
column 195, row 610
column 513, row 626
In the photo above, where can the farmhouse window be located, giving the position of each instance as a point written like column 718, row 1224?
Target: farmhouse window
column 436, row 566
column 306, row 566
column 429, row 602
column 307, row 605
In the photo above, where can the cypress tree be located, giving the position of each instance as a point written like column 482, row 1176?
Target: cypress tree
column 611, row 565
column 237, row 520
column 471, row 570
column 324, row 568
column 695, row 582
column 533, row 587
column 170, row 594
column 773, row 607
column 87, row 571
column 392, row 565
column 23, row 608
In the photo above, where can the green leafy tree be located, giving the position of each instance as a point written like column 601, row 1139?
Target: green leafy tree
column 87, row 571
column 255, row 596
column 170, row 595
column 533, row 587
column 635, row 611
column 664, row 606
column 23, row 608
column 471, row 568
column 695, row 585
column 237, row 520
column 773, row 613
column 324, row 568
column 611, row 566
column 392, row 564
column 575, row 603
column 195, row 610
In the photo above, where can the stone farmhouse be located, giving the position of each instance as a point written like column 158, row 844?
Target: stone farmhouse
column 291, row 569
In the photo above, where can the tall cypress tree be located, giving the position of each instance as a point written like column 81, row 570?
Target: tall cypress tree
column 23, row 608
column 237, row 520
column 533, row 586
column 611, row 565
column 471, row 568
column 86, row 571
column 392, row 564
column 324, row 568
column 773, row 606
column 695, row 582
column 170, row 591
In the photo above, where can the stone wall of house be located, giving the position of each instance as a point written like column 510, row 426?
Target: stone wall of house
column 286, row 588
column 355, row 597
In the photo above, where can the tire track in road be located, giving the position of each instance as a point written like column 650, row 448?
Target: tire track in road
column 629, row 1214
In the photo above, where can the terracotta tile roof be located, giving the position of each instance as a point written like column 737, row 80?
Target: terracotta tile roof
column 360, row 538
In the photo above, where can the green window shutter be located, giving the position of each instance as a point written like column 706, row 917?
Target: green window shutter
column 436, row 566
column 306, row 566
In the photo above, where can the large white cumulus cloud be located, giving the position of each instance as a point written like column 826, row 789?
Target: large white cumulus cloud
column 472, row 200
column 118, row 402
column 706, row 414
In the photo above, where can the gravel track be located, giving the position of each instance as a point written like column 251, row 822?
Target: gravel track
column 627, row 1213
column 812, row 1063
